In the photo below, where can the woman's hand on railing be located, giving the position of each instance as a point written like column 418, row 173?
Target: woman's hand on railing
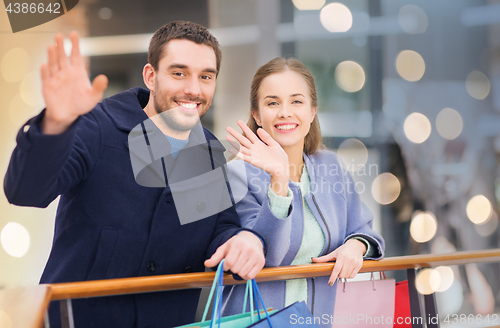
column 348, row 260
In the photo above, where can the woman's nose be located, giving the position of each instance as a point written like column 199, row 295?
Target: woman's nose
column 284, row 112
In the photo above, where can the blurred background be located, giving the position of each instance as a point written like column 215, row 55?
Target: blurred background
column 409, row 97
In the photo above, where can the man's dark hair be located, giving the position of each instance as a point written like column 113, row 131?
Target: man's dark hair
column 182, row 30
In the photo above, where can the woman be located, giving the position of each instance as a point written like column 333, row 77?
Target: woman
column 299, row 197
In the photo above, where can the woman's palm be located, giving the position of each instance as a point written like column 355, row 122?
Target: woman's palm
column 264, row 153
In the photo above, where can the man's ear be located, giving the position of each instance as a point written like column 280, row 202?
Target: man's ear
column 256, row 117
column 148, row 75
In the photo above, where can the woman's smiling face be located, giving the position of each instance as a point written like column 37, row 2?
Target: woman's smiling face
column 285, row 109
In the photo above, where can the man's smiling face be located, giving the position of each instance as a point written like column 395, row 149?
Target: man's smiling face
column 184, row 83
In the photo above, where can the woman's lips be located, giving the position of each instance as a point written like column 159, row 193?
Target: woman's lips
column 286, row 127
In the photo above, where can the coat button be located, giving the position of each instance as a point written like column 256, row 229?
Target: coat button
column 201, row 206
column 151, row 266
column 187, row 269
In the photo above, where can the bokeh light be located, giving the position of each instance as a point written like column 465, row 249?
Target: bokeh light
column 350, row 76
column 423, row 226
column 386, row 188
column 427, row 281
column 19, row 111
column 5, row 321
column 449, row 123
column 447, row 276
column 410, row 65
column 489, row 227
column 479, row 209
column 308, row 4
column 336, row 17
column 417, row 127
column 31, row 89
column 477, row 85
column 16, row 109
column 451, row 301
column 413, row 19
column 15, row 239
column 15, row 64
column 105, row 13
column 353, row 153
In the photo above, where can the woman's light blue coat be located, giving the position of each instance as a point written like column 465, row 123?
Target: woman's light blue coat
column 336, row 206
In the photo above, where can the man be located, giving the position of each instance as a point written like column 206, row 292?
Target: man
column 108, row 225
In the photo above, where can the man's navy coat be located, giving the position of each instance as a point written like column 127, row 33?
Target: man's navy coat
column 107, row 225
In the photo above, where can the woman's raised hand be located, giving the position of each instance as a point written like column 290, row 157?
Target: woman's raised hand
column 264, row 153
column 66, row 87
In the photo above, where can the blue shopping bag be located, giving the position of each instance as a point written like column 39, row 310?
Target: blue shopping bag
column 260, row 318
column 242, row 320
column 285, row 318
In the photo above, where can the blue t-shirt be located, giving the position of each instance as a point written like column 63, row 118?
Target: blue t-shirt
column 177, row 145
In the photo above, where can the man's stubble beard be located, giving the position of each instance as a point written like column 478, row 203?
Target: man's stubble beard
column 168, row 115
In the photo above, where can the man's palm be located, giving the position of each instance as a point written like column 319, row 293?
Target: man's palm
column 66, row 87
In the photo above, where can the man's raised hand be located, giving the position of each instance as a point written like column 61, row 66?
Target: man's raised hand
column 66, row 87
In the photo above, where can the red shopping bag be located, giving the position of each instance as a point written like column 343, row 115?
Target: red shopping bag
column 402, row 311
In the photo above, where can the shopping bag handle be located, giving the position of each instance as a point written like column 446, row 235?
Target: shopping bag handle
column 372, row 279
column 217, row 285
column 216, row 311
column 212, row 290
column 249, row 290
column 217, row 289
column 257, row 293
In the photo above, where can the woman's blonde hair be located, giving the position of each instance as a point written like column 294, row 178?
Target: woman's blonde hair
column 313, row 140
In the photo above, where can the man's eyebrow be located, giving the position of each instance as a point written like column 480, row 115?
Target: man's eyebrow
column 210, row 70
column 181, row 66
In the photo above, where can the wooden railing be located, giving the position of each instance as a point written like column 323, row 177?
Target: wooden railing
column 25, row 307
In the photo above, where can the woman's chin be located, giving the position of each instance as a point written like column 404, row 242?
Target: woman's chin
column 288, row 144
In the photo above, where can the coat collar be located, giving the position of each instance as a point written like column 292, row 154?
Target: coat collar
column 309, row 162
column 125, row 109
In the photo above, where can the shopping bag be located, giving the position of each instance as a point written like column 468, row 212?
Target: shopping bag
column 260, row 318
column 242, row 320
column 364, row 304
column 402, row 310
column 285, row 318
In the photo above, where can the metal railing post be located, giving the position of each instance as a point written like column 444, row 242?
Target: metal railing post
column 67, row 314
column 46, row 321
column 416, row 309
column 431, row 311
